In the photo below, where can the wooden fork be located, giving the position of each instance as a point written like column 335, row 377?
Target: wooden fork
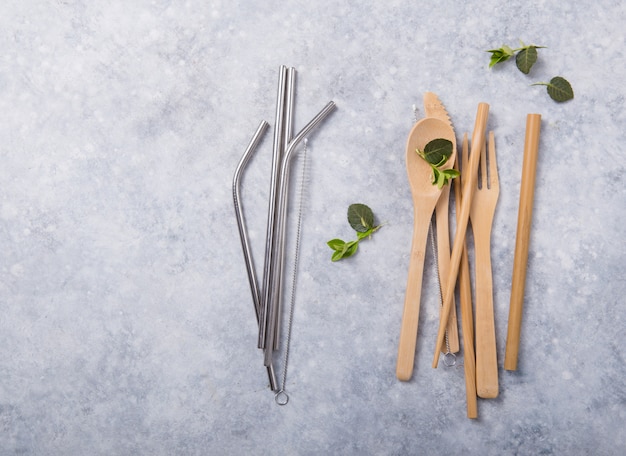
column 481, row 216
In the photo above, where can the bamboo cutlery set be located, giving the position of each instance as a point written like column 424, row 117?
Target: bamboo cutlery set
column 476, row 195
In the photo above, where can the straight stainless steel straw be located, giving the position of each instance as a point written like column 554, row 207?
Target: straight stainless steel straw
column 290, row 91
column 243, row 234
column 271, row 215
column 281, row 211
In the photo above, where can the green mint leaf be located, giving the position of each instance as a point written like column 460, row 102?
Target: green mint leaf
column 441, row 180
column 449, row 174
column 351, row 248
column 337, row 255
column 500, row 55
column 360, row 217
column 443, row 177
column 348, row 250
column 437, row 151
column 435, row 177
column 336, row 244
column 452, row 173
column 342, row 250
column 559, row 89
column 526, row 58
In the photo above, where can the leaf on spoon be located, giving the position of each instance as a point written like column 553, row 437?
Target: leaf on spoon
column 447, row 174
column 437, row 151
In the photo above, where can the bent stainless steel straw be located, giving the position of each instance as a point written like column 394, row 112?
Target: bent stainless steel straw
column 241, row 224
column 281, row 210
column 243, row 233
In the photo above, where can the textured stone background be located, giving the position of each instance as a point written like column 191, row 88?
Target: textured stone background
column 126, row 325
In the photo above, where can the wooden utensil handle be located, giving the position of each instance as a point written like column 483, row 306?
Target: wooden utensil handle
column 410, row 315
column 486, row 355
column 522, row 240
column 478, row 138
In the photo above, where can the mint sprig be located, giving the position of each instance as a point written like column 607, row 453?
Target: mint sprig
column 524, row 60
column 361, row 219
column 436, row 153
column 500, row 55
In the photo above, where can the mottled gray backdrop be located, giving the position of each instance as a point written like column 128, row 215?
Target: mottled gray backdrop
column 126, row 323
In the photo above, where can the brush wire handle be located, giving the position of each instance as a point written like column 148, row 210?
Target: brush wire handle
column 451, row 342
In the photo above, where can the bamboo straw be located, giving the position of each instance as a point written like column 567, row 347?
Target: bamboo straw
column 524, row 218
column 469, row 185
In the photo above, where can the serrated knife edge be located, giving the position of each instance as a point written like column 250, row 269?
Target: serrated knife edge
column 433, row 107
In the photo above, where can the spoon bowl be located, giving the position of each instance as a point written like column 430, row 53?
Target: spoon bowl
column 419, row 171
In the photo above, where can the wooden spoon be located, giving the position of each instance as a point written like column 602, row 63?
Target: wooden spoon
column 425, row 196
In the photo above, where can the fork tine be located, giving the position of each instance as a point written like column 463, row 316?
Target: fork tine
column 482, row 179
column 494, row 181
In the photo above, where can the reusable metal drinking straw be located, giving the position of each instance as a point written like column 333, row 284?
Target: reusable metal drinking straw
column 243, row 234
column 271, row 214
column 267, row 298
